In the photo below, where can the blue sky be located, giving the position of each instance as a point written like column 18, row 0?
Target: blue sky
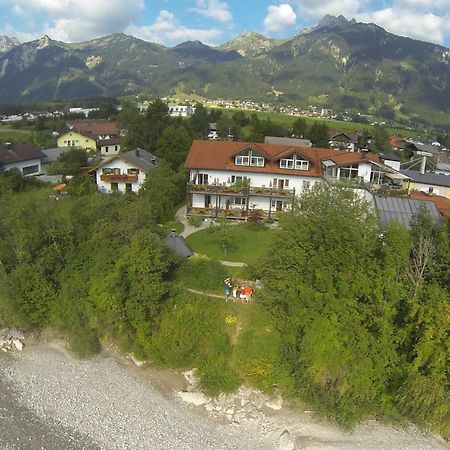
column 213, row 22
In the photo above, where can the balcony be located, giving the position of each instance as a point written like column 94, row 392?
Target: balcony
column 116, row 178
column 240, row 191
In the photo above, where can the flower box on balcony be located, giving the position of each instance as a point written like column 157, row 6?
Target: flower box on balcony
column 118, row 177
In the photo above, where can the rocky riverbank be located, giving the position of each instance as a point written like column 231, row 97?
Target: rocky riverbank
column 50, row 400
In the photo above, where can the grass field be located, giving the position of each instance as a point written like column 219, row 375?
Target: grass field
column 287, row 120
column 247, row 243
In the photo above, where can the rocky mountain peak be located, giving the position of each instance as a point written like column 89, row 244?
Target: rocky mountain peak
column 332, row 20
column 7, row 43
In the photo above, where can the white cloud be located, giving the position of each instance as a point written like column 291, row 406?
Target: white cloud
column 167, row 30
column 214, row 9
column 426, row 27
column 77, row 20
column 279, row 17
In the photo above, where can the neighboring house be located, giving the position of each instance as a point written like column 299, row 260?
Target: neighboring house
column 109, row 147
column 431, row 183
column 403, row 210
column 344, row 141
column 236, row 178
column 88, row 133
column 124, row 172
column 181, row 110
column 25, row 157
column 77, row 139
column 391, row 160
column 397, row 143
column 287, row 141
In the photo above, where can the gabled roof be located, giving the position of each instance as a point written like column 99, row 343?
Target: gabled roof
column 352, row 137
column 94, row 127
column 14, row 153
column 252, row 146
column 434, row 179
column 219, row 155
column 137, row 158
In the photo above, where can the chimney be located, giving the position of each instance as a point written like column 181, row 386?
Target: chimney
column 137, row 152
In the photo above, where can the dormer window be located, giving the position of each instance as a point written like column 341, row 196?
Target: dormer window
column 242, row 160
column 294, row 163
column 257, row 161
column 249, row 159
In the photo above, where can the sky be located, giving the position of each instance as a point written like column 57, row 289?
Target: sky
column 213, row 22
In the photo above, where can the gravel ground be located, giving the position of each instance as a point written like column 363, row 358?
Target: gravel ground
column 59, row 402
column 51, row 401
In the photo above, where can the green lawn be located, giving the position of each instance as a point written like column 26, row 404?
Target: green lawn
column 247, row 243
column 285, row 119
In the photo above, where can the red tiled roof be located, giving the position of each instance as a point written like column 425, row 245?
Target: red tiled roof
column 442, row 203
column 219, row 155
column 95, row 127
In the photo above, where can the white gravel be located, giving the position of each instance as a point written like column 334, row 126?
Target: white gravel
column 51, row 401
column 110, row 405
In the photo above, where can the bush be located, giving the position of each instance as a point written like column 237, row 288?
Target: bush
column 216, row 377
column 203, row 273
column 195, row 221
column 191, row 331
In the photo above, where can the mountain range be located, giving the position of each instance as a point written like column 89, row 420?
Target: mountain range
column 340, row 64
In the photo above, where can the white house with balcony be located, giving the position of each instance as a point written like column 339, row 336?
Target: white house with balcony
column 124, row 172
column 237, row 179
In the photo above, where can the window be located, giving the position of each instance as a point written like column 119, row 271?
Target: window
column 294, row 162
column 286, row 163
column 349, row 172
column 106, row 149
column 301, row 164
column 242, row 160
column 132, row 171
column 202, row 178
column 275, row 183
column 376, row 177
column 239, row 181
column 128, row 187
column 107, row 171
column 239, row 201
column 30, row 169
column 306, row 184
column 286, row 183
column 114, row 186
column 257, row 161
column 430, row 190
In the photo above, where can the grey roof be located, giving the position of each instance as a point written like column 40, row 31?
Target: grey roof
column 390, row 157
column 287, row 141
column 13, row 153
column 402, row 209
column 52, row 154
column 178, row 244
column 435, row 179
column 140, row 158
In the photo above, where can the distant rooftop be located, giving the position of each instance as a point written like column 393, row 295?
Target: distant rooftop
column 287, row 141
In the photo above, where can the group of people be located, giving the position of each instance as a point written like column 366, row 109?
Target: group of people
column 242, row 293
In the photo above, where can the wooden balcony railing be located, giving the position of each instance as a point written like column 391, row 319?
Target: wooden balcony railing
column 124, row 178
column 240, row 190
